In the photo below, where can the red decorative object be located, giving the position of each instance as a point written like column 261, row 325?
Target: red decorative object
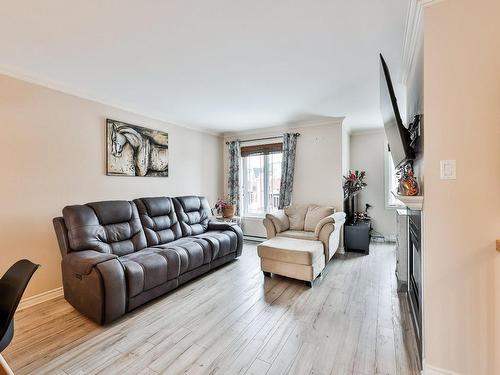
column 408, row 184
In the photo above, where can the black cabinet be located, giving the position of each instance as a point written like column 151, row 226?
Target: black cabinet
column 357, row 236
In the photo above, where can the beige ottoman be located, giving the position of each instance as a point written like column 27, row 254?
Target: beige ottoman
column 299, row 259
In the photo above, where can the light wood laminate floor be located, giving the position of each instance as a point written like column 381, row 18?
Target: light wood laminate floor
column 235, row 321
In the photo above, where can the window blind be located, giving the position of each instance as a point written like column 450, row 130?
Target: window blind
column 261, row 149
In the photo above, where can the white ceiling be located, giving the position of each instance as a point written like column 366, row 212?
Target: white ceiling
column 223, row 65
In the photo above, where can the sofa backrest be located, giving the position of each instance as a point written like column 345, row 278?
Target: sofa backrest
column 193, row 213
column 159, row 220
column 108, row 227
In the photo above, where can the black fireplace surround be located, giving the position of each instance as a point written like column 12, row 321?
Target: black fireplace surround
column 415, row 272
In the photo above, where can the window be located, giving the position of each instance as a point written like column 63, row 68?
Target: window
column 391, row 182
column 261, row 179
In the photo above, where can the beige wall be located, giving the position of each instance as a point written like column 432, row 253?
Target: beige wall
column 53, row 154
column 318, row 166
column 462, row 216
column 368, row 154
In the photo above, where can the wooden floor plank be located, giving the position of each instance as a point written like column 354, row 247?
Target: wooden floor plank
column 235, row 321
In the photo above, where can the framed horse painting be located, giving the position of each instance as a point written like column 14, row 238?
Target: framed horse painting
column 135, row 151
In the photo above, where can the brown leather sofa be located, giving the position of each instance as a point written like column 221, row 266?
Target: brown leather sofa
column 118, row 255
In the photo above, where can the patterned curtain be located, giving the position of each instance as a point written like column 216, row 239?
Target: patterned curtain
column 233, row 180
column 287, row 169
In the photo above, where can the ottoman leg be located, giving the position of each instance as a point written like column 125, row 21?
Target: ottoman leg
column 266, row 274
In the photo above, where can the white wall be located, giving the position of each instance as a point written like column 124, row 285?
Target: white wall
column 318, row 165
column 462, row 216
column 53, row 154
column 346, row 150
column 367, row 153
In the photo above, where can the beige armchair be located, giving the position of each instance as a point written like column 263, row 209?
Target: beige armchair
column 308, row 222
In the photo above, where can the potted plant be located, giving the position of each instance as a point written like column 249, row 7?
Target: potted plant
column 226, row 207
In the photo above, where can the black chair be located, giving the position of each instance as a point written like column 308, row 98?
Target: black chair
column 12, row 286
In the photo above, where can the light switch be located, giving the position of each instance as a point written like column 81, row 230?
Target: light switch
column 448, row 169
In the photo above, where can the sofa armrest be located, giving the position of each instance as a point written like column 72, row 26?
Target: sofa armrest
column 220, row 225
column 280, row 221
column 216, row 225
column 82, row 262
column 94, row 283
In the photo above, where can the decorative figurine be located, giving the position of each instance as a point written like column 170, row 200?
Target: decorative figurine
column 408, row 184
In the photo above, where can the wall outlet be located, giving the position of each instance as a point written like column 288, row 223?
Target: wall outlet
column 448, row 170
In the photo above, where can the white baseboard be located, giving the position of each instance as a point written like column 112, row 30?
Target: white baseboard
column 433, row 370
column 39, row 298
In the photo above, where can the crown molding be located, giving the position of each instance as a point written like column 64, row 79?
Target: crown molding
column 411, row 37
column 412, row 31
column 124, row 106
column 297, row 125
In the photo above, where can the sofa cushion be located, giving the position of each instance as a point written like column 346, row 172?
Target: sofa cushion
column 159, row 220
column 149, row 268
column 296, row 216
column 314, row 214
column 192, row 252
column 299, row 234
column 108, row 227
column 193, row 213
column 222, row 242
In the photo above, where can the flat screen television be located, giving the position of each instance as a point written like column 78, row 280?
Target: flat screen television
column 397, row 135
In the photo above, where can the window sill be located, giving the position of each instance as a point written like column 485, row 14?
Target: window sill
column 253, row 217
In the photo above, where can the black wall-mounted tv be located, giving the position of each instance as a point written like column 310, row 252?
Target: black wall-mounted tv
column 397, row 135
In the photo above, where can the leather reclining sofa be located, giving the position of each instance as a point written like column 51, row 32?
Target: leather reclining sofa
column 118, row 255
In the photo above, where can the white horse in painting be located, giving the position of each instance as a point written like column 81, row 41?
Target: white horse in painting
column 150, row 148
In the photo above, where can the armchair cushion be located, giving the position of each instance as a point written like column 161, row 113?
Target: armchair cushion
column 296, row 216
column 82, row 262
column 315, row 214
column 279, row 220
column 298, row 234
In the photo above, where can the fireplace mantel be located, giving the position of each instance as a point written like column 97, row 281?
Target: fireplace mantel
column 415, row 202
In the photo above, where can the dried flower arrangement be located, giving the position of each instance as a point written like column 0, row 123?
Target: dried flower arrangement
column 354, row 182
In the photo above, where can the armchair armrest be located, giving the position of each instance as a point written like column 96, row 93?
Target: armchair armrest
column 280, row 221
column 82, row 262
column 328, row 231
column 270, row 228
column 335, row 218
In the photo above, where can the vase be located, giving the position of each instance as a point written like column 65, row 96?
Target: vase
column 228, row 211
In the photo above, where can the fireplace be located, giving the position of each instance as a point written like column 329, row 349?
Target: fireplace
column 415, row 272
